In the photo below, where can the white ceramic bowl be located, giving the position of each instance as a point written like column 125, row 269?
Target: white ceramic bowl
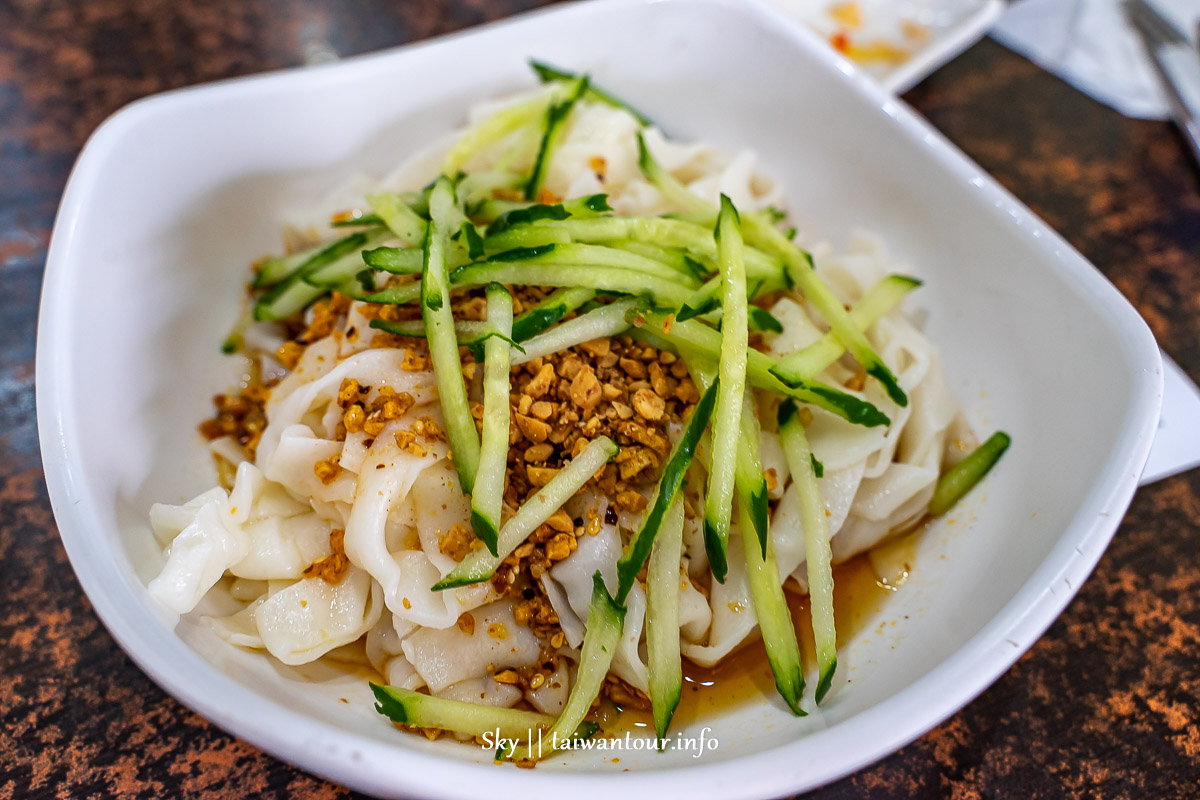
column 175, row 194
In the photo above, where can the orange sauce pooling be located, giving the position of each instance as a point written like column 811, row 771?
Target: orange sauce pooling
column 862, row 587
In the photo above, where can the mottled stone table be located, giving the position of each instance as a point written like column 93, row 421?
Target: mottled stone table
column 1106, row 705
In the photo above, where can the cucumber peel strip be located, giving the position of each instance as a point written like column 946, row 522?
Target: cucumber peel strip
column 664, row 669
column 802, row 464
column 605, row 621
column 293, row 293
column 582, row 207
column 443, row 342
column 674, row 469
column 600, row 322
column 693, row 336
column 731, row 383
column 774, row 618
column 809, row 362
column 487, row 495
column 496, row 127
column 547, row 74
column 549, row 310
column 479, row 565
column 556, row 119
column 426, row 711
column 962, row 477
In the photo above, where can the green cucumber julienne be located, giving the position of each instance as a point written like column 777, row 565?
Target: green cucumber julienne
column 809, row 362
column 591, row 255
column 748, row 478
column 426, row 711
column 804, row 276
column 601, row 322
column 480, row 564
column 399, row 217
column 338, row 271
column 763, row 234
column 443, row 342
column 549, row 310
column 396, row 260
column 293, row 293
column 664, row 669
column 693, row 336
column 488, row 492
column 548, row 74
column 731, row 370
column 582, row 207
column 605, row 620
column 556, row 120
column 774, row 618
column 496, row 127
column 802, row 464
column 609, row 279
column 962, row 477
column 659, row 231
column 635, row 556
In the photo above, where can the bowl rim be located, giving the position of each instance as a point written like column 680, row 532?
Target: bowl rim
column 354, row 760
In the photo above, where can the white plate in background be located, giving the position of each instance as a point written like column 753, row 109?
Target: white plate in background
column 898, row 42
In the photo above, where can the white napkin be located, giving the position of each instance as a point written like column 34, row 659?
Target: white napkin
column 1089, row 44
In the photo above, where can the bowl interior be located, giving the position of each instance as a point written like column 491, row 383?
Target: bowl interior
column 176, row 195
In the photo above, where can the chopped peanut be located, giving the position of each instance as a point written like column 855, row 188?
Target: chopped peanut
column 647, row 403
column 327, row 470
column 541, row 382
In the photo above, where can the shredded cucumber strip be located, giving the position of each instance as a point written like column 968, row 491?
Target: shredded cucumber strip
column 664, row 668
column 426, row 711
column 592, row 255
column 555, row 126
column 525, row 213
column 468, row 331
column 818, row 555
column 731, row 372
column 658, row 231
column 496, row 127
column 609, row 320
column 808, row 363
column 548, row 73
column 804, row 276
column 605, row 621
column 774, row 617
column 671, row 188
column 480, row 564
column 488, row 494
column 962, row 477
column 550, row 310
column 749, row 479
column 399, row 217
column 294, row 293
column 634, row 558
column 443, row 342
column 748, row 472
column 608, row 279
column 674, row 257
column 278, row 268
column 342, row 269
column 696, row 338
column 396, row 260
column 764, row 234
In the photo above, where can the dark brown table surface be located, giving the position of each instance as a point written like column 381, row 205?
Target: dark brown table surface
column 1106, row 705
